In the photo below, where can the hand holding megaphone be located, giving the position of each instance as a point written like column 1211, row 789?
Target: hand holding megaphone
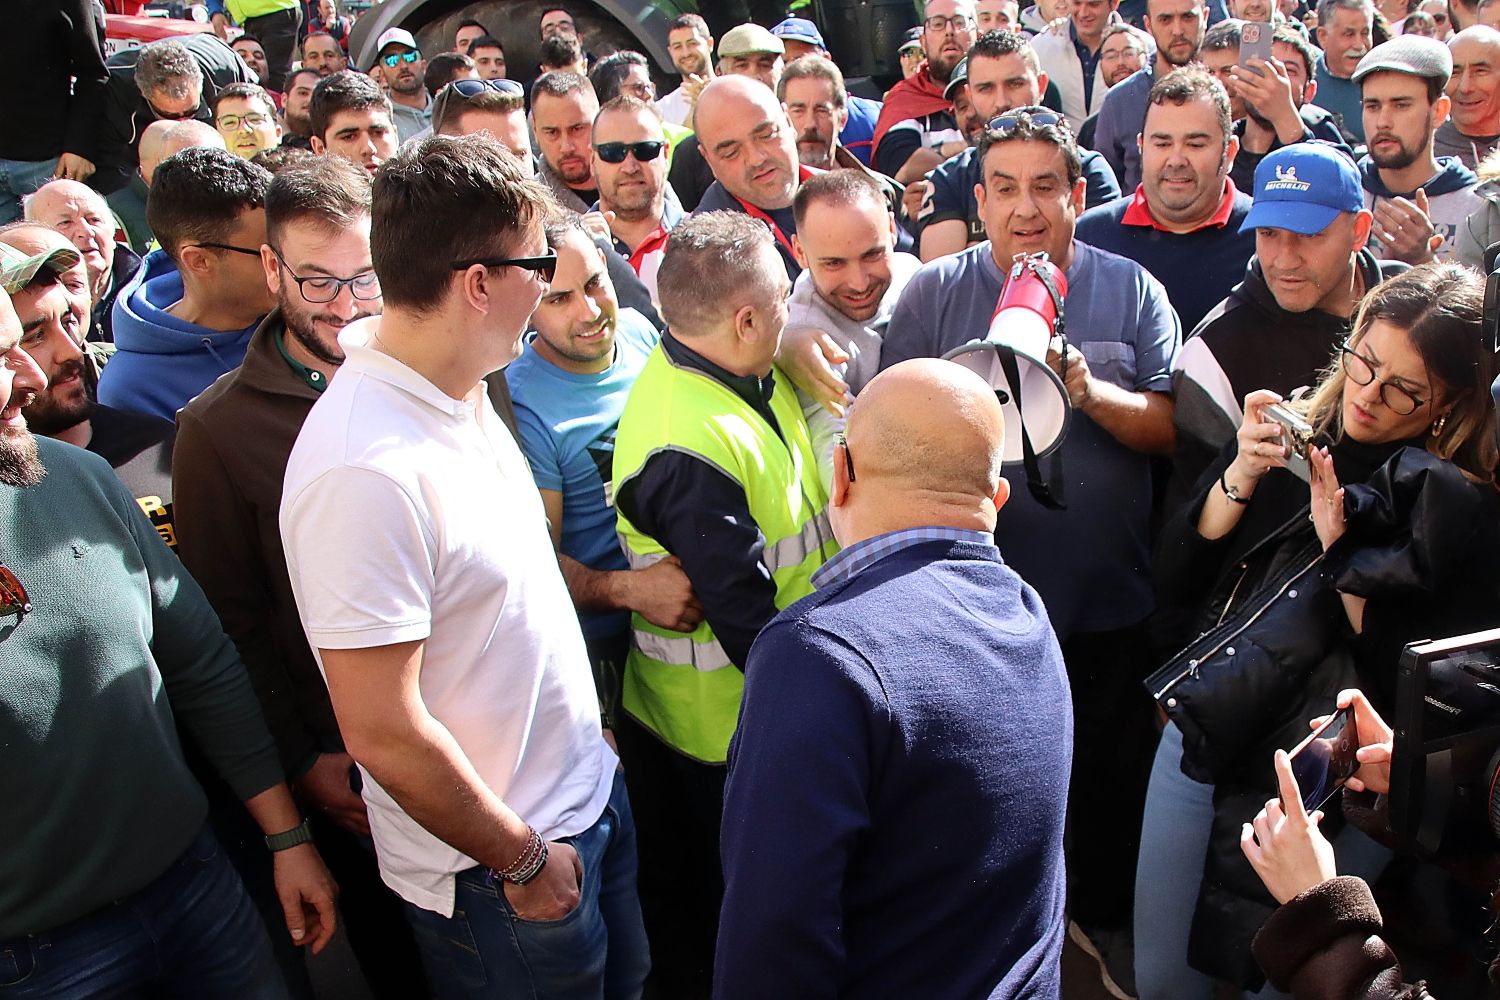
column 1070, row 364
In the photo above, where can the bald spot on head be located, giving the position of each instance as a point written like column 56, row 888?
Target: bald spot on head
column 165, row 138
column 53, row 197
column 931, row 430
column 729, row 99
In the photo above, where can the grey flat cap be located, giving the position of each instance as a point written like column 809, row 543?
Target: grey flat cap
column 1417, row 55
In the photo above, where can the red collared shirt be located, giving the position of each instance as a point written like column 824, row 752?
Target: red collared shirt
column 1138, row 213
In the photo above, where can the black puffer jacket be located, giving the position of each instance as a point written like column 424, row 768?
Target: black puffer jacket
column 1422, row 546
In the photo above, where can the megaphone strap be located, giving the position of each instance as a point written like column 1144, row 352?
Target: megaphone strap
column 1049, row 495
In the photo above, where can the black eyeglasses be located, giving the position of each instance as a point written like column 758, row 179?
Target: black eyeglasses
column 1361, row 371
column 1012, row 120
column 13, row 598
column 397, row 58
column 320, row 288
column 175, row 116
column 473, row 88
column 227, row 246
column 615, row 152
column 848, row 458
column 545, row 267
column 958, row 22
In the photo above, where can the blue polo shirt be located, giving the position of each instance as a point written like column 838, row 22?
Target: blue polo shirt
column 1091, row 563
column 567, row 423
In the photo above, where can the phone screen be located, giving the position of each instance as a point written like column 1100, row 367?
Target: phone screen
column 1325, row 760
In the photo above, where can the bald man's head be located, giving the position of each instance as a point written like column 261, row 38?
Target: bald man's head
column 926, row 440
column 82, row 215
column 164, row 138
column 1475, row 83
column 747, row 140
column 32, row 238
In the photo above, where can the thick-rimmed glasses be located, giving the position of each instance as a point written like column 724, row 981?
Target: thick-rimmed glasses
column 321, row 288
column 545, row 267
column 1361, row 371
column 227, row 246
column 958, row 22
column 13, row 598
column 848, row 458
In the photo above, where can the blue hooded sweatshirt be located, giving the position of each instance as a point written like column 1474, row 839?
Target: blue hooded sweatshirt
column 1450, row 200
column 162, row 361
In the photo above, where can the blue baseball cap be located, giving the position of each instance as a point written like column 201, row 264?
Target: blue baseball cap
column 1303, row 188
column 799, row 29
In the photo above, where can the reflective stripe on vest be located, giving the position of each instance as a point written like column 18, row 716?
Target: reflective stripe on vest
column 793, row 549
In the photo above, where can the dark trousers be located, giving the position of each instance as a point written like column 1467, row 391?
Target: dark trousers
column 679, row 807
column 373, row 915
column 1114, row 739
column 277, row 32
column 192, row 932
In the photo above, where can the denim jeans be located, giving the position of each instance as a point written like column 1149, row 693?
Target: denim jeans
column 19, row 178
column 486, row 952
column 1174, row 848
column 191, row 933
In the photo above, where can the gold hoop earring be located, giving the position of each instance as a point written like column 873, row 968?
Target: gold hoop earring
column 1439, row 424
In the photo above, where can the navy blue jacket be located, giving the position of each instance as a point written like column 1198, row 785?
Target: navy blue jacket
column 893, row 819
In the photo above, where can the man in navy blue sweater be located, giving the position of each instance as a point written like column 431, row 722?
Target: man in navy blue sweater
column 893, row 819
column 1183, row 222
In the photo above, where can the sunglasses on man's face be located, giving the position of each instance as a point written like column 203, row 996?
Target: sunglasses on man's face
column 544, row 267
column 397, row 58
column 615, row 152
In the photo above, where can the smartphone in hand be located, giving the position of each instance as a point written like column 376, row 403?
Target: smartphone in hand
column 1255, row 43
column 1326, row 759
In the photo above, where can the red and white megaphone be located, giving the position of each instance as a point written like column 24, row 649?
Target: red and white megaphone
column 1012, row 358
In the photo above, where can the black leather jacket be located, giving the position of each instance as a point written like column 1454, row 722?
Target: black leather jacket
column 1275, row 646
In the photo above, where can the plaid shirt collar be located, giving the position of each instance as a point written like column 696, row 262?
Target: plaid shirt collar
column 864, row 554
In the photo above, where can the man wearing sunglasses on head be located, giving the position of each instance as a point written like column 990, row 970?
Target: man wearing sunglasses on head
column 400, row 66
column 187, row 315
column 227, row 469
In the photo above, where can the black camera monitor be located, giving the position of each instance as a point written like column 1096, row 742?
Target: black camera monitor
column 1444, row 764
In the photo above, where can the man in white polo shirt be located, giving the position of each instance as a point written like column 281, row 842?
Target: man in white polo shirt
column 425, row 578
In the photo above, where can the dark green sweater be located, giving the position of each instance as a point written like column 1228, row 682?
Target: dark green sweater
column 97, row 798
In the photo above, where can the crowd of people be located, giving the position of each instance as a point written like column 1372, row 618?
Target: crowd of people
column 532, row 527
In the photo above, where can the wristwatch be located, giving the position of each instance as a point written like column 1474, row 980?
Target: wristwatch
column 299, row 834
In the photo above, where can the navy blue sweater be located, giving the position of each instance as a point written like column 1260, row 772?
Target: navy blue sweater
column 893, row 821
column 1198, row 269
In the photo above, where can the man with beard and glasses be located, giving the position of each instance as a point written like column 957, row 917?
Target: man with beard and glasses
column 1420, row 200
column 91, row 601
column 916, row 130
column 1278, row 109
column 1279, row 326
column 1177, row 27
column 569, row 389
column 1345, row 31
column 563, row 106
column 692, row 49
column 630, row 162
column 1003, row 73
column 227, row 470
column 54, row 321
column 817, row 104
column 1183, row 222
column 399, row 65
column 82, row 215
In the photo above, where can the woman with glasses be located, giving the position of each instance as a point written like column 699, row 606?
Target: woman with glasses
column 1309, row 576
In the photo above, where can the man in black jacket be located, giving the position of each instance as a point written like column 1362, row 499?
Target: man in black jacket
column 1280, row 326
column 52, row 69
column 177, row 78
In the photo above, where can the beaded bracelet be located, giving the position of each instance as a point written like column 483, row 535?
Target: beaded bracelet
column 529, row 864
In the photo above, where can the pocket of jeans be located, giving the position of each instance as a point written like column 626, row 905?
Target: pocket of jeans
column 17, row 962
column 559, row 921
column 453, row 946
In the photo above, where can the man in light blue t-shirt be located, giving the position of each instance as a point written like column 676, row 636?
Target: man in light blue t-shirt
column 569, row 388
column 1091, row 562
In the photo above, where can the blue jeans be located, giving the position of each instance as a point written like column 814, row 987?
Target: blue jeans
column 486, row 952
column 191, row 933
column 1174, row 848
column 18, row 178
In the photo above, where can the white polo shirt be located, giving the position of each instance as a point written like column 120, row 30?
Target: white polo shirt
column 409, row 515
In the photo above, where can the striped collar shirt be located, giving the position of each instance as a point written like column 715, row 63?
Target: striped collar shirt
column 864, row 554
